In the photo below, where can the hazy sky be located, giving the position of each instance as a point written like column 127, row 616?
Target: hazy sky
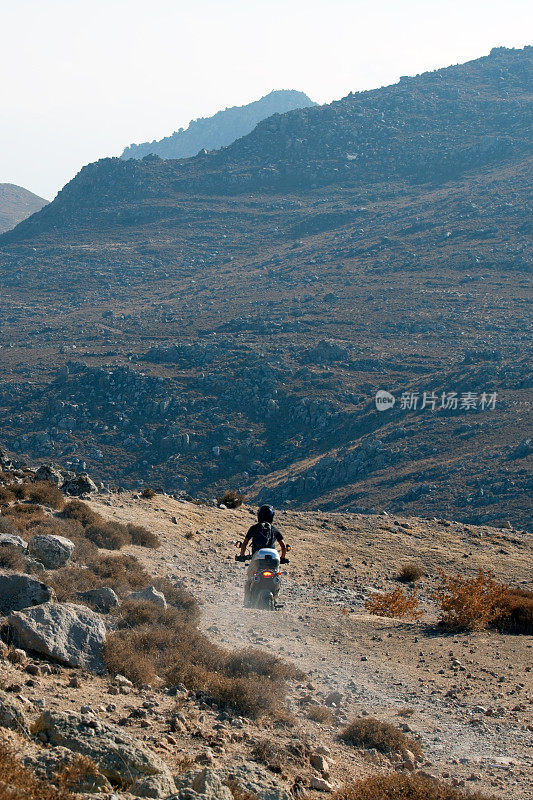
column 81, row 79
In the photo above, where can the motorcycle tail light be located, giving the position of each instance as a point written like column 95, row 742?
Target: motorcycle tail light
column 267, row 573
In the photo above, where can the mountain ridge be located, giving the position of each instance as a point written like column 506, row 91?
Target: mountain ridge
column 197, row 341
column 221, row 129
column 17, row 204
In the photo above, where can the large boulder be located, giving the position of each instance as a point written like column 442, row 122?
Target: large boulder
column 210, row 784
column 116, row 754
column 52, row 551
column 71, row 634
column 18, row 591
column 47, row 472
column 102, row 599
column 150, row 594
column 11, row 715
column 12, row 540
column 81, row 484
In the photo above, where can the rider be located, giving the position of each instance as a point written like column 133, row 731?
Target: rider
column 264, row 534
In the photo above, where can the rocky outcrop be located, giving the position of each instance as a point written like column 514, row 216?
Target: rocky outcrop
column 52, row 551
column 19, row 591
column 11, row 714
column 118, row 756
column 12, row 540
column 81, row 484
column 102, row 599
column 71, row 634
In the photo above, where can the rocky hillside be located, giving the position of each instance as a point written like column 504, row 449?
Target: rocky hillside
column 220, row 130
column 134, row 652
column 16, row 204
column 196, row 341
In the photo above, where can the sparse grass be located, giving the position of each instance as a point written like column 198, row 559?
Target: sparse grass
column 321, row 714
column 108, row 534
column 19, row 783
column 231, row 499
column 394, row 604
column 12, row 558
column 404, row 787
column 369, row 732
column 516, row 613
column 148, row 493
column 470, row 603
column 410, row 573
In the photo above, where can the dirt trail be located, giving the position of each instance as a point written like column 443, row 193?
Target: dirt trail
column 380, row 666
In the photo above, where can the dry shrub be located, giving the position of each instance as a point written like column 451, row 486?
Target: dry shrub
column 11, row 557
column 369, row 732
column 6, row 496
column 516, row 613
column 19, row 783
column 142, row 537
column 394, row 604
column 108, row 535
column 404, row 787
column 150, row 641
column 122, row 573
column 321, row 714
column 24, row 509
column 470, row 603
column 76, row 509
column 260, row 662
column 44, row 493
column 410, row 573
column 148, row 493
column 178, row 596
column 231, row 499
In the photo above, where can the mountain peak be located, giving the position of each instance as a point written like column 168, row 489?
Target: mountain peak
column 220, row 130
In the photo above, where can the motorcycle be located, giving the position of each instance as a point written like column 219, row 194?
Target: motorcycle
column 263, row 578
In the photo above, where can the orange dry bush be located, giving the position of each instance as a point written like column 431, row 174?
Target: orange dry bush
column 404, row 787
column 45, row 493
column 394, row 604
column 231, row 499
column 470, row 603
column 516, row 613
column 19, row 783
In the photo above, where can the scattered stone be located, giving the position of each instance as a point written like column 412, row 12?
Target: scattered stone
column 11, row 715
column 68, row 633
column 319, row 762
column 333, row 699
column 320, row 784
column 18, row 656
column 18, row 591
column 52, row 551
column 151, row 594
column 102, row 599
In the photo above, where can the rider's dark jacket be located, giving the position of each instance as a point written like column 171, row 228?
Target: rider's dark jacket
column 256, row 535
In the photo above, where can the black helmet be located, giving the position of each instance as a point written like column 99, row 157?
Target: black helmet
column 265, row 514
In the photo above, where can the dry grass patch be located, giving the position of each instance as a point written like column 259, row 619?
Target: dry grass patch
column 44, row 493
column 404, row 787
column 108, row 534
column 321, row 714
column 76, row 509
column 410, row 573
column 394, row 604
column 148, row 493
column 369, row 732
column 12, row 558
column 470, row 603
column 6, row 496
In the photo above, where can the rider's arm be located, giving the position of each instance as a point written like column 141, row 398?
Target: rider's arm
column 279, row 539
column 244, row 545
